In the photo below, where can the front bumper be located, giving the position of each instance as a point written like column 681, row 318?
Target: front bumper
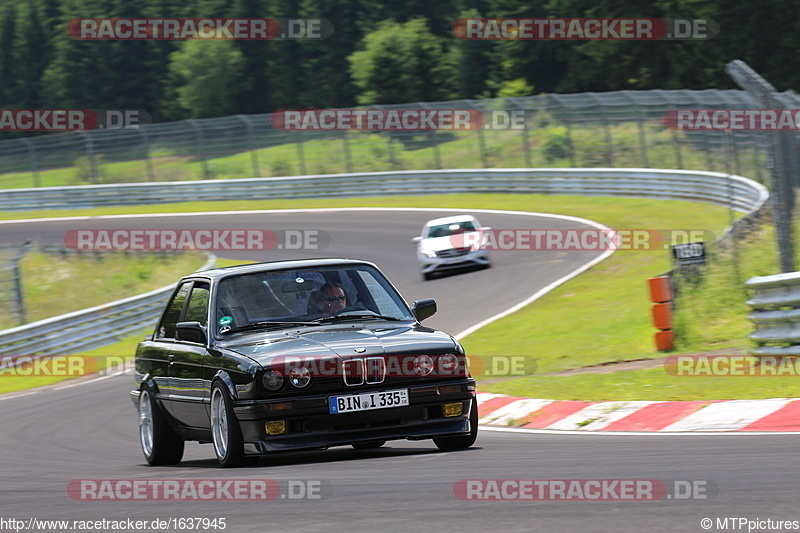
column 312, row 426
column 440, row 264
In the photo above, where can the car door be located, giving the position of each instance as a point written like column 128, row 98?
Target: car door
column 188, row 392
column 156, row 352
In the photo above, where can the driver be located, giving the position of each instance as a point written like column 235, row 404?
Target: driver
column 334, row 298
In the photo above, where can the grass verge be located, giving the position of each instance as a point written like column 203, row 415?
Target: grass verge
column 99, row 359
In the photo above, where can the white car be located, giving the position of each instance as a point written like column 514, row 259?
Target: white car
column 452, row 243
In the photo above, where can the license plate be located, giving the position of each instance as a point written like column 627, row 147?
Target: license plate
column 368, row 401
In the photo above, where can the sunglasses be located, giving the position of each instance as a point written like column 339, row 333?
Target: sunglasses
column 335, row 298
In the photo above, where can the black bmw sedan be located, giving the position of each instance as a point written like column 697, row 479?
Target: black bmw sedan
column 297, row 355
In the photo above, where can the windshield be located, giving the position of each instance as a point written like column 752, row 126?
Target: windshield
column 298, row 296
column 454, row 228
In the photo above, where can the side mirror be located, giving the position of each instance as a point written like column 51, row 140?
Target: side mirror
column 422, row 309
column 416, row 239
column 190, row 331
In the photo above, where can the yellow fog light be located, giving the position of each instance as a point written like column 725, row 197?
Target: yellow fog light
column 452, row 409
column 276, row 427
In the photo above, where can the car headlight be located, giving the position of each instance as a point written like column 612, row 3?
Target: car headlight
column 423, row 365
column 272, row 380
column 428, row 253
column 300, row 377
column 447, row 364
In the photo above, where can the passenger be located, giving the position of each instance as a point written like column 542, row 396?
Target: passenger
column 317, row 304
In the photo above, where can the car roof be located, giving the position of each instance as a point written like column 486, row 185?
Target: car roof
column 219, row 273
column 450, row 220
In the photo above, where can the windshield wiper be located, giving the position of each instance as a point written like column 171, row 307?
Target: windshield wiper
column 268, row 324
column 359, row 317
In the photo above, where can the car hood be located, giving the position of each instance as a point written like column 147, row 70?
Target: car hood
column 342, row 342
column 453, row 241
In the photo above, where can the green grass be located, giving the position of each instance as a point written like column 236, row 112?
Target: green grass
column 711, row 314
column 102, row 357
column 54, row 285
column 111, row 354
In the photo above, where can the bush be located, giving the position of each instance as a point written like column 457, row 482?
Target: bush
column 557, row 145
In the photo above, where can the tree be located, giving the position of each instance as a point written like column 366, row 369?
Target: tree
column 402, row 63
column 208, row 74
column 8, row 59
column 33, row 51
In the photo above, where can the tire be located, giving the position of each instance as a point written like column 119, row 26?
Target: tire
column 427, row 276
column 368, row 445
column 225, row 431
column 462, row 442
column 160, row 444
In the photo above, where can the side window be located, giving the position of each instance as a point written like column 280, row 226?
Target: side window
column 197, row 310
column 166, row 330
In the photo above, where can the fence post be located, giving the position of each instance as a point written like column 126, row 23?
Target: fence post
column 604, row 121
column 437, row 159
column 347, row 161
column 301, row 158
column 526, row 149
column 781, row 159
column 32, row 161
column 151, row 175
column 199, row 147
column 642, row 138
column 89, row 147
column 250, row 145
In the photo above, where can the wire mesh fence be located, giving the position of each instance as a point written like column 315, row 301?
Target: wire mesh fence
column 614, row 129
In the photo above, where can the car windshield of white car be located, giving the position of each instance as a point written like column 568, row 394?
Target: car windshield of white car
column 455, row 228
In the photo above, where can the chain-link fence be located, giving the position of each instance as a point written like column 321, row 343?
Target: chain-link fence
column 782, row 150
column 12, row 305
column 615, row 129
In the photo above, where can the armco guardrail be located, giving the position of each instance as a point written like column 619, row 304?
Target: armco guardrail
column 776, row 314
column 720, row 189
column 88, row 328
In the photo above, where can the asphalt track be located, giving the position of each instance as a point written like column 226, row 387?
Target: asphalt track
column 88, row 431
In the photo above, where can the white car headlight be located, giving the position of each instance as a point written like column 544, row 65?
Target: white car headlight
column 428, row 253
